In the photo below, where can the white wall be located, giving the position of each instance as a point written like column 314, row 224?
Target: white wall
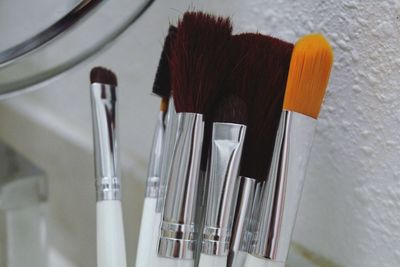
column 350, row 211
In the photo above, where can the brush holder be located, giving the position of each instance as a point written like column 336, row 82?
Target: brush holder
column 23, row 209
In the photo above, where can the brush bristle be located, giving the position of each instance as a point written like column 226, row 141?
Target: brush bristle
column 231, row 109
column 308, row 78
column 259, row 78
column 162, row 80
column 164, row 104
column 199, row 59
column 103, row 75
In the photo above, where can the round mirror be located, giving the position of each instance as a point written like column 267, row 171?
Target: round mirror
column 41, row 40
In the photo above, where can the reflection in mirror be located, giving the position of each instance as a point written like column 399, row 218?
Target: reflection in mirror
column 17, row 26
column 58, row 54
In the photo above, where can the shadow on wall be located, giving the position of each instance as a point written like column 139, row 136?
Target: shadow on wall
column 313, row 258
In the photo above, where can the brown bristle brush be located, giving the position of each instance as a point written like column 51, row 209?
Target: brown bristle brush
column 148, row 237
column 198, row 64
column 260, row 68
column 228, row 135
column 260, row 78
column 110, row 236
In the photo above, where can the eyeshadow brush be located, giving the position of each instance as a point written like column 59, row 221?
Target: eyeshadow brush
column 109, row 220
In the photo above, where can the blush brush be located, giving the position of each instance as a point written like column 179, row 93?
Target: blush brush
column 110, row 229
column 306, row 84
column 148, row 237
column 198, row 63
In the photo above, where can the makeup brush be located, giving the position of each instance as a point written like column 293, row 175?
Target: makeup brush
column 110, row 229
column 260, row 68
column 162, row 80
column 307, row 81
column 148, row 237
column 198, row 67
column 248, row 199
column 170, row 122
column 229, row 129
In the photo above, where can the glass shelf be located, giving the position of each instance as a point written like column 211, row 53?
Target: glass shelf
column 43, row 39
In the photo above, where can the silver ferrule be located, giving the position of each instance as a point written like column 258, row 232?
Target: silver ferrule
column 155, row 162
column 283, row 190
column 179, row 231
column 247, row 190
column 170, row 137
column 252, row 221
column 104, row 113
column 245, row 198
column 226, row 152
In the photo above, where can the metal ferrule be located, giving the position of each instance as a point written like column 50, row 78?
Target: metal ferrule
column 227, row 144
column 282, row 194
column 154, row 171
column 178, row 229
column 246, row 195
column 252, row 221
column 170, row 138
column 104, row 111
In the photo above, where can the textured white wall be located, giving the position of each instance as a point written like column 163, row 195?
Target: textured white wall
column 350, row 211
column 351, row 206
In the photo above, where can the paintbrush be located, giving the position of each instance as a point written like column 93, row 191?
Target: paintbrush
column 110, row 229
column 228, row 134
column 198, row 66
column 306, row 84
column 148, row 237
column 260, row 68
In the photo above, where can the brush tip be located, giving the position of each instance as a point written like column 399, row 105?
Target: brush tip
column 308, row 77
column 260, row 68
column 199, row 60
column 103, row 75
column 162, row 80
column 231, row 109
column 164, row 104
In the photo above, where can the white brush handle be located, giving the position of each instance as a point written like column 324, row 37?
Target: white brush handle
column 240, row 259
column 146, row 249
column 110, row 234
column 252, row 261
column 212, row 260
column 168, row 262
column 154, row 241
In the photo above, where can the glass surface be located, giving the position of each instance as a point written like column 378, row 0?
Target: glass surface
column 42, row 39
column 23, row 209
column 17, row 26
